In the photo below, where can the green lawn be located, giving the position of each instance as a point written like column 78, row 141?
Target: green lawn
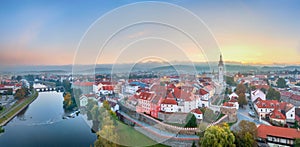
column 130, row 137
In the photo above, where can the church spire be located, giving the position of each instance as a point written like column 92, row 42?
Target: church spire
column 221, row 61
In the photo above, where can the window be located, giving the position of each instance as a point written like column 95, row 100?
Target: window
column 291, row 115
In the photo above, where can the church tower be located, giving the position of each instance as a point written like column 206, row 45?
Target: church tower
column 221, row 70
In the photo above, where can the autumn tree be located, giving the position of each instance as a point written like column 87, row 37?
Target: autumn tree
column 240, row 91
column 67, row 99
column 272, row 94
column 245, row 133
column 21, row 93
column 107, row 136
column 242, row 99
column 106, row 105
column 241, row 88
column 219, row 135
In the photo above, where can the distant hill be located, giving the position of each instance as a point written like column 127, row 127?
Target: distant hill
column 147, row 66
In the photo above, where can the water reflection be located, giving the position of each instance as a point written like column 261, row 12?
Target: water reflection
column 41, row 124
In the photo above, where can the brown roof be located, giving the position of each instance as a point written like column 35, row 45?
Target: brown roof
column 169, row 101
column 263, row 131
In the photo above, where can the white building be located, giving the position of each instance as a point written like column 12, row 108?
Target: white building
column 197, row 113
column 202, row 101
column 257, row 94
column 169, row 105
column 221, row 71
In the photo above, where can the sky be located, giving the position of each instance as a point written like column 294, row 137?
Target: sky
column 49, row 32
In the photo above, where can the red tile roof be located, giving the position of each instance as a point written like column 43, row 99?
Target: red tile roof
column 296, row 97
column 276, row 114
column 286, row 93
column 273, row 104
column 202, row 92
column 197, row 111
column 145, row 96
column 233, row 100
column 228, row 104
column 83, row 83
column 182, row 94
column 108, row 87
column 169, row 101
column 263, row 131
column 267, row 103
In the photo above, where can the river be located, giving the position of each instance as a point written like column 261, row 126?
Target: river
column 41, row 124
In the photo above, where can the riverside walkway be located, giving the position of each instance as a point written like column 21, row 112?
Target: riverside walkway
column 159, row 135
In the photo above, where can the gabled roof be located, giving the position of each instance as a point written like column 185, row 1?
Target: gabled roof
column 263, row 131
column 276, row 114
column 202, row 92
column 197, row 111
column 169, row 101
column 145, row 96
column 267, row 103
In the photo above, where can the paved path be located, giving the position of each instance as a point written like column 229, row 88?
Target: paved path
column 242, row 114
column 159, row 133
column 12, row 108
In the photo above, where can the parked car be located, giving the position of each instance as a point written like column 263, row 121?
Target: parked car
column 251, row 113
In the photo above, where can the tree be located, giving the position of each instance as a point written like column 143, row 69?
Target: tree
column 107, row 136
column 67, row 85
column 272, row 94
column 191, row 121
column 245, row 133
column 228, row 90
column 67, row 98
column 106, row 105
column 253, row 88
column 241, row 88
column 281, row 83
column 19, row 78
column 218, row 136
column 230, row 81
column 91, row 103
column 264, row 90
column 297, row 142
column 242, row 99
column 21, row 93
column 95, row 112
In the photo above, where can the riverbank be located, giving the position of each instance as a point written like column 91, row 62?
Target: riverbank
column 10, row 114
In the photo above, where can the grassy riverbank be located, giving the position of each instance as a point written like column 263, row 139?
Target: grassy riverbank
column 129, row 135
column 16, row 108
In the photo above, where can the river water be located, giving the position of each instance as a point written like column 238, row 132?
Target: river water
column 41, row 124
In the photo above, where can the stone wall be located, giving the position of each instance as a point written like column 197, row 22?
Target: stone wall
column 231, row 112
